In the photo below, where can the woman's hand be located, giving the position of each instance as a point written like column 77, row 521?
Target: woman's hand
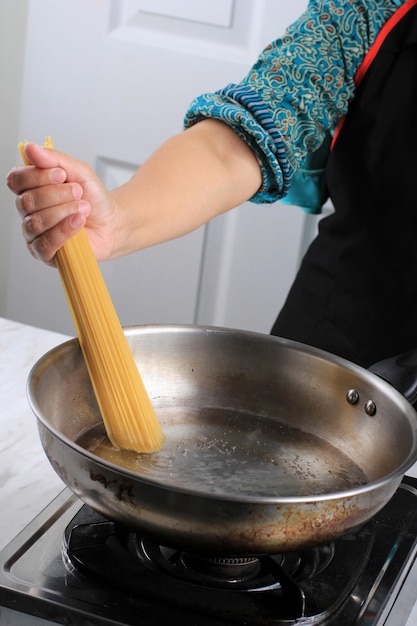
column 56, row 197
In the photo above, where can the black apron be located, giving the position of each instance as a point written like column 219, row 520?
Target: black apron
column 355, row 294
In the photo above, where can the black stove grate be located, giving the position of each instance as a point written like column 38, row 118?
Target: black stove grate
column 272, row 590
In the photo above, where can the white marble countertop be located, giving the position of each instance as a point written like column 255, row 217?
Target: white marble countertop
column 27, row 481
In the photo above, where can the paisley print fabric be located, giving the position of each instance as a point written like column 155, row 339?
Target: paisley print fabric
column 299, row 88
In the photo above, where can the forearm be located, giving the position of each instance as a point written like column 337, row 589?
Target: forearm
column 193, row 177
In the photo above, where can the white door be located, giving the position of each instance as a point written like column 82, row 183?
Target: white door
column 110, row 80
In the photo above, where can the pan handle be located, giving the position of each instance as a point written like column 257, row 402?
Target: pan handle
column 401, row 372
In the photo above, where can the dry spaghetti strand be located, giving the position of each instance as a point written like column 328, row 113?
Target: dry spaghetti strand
column 126, row 409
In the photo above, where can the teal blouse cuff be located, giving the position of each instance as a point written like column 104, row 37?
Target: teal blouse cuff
column 244, row 111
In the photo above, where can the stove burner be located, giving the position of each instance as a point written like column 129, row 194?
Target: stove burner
column 248, row 573
column 230, row 570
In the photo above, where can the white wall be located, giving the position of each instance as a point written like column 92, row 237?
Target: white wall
column 12, row 38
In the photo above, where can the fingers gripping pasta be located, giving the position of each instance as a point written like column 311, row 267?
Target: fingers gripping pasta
column 126, row 409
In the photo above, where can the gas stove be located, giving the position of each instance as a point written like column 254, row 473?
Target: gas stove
column 73, row 566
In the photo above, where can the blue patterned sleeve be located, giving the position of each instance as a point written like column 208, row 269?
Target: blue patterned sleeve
column 299, row 88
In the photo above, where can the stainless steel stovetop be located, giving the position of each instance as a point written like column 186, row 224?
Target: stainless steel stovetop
column 71, row 566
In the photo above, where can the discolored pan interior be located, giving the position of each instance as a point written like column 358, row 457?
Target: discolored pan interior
column 232, row 453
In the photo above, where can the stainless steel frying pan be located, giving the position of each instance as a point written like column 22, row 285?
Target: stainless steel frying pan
column 270, row 445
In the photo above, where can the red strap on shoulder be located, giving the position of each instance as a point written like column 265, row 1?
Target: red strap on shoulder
column 373, row 51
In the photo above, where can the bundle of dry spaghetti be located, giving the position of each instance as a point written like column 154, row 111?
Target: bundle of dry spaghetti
column 127, row 412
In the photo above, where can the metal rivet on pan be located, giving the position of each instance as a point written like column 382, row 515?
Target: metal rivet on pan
column 370, row 408
column 352, row 396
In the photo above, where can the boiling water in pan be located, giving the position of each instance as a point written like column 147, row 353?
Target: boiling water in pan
column 221, row 452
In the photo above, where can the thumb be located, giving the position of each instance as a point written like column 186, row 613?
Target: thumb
column 41, row 157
